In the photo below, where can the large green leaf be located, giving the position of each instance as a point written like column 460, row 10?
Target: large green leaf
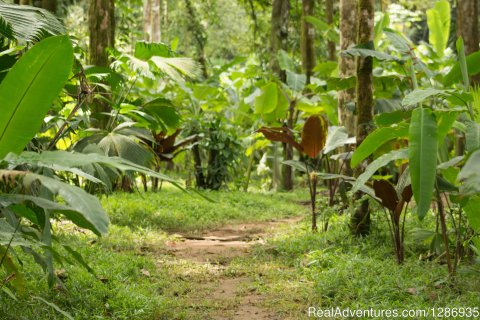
column 472, row 136
column 146, row 50
column 337, row 137
column 376, row 139
column 285, row 62
column 81, row 208
column 470, row 175
column 382, row 23
column 164, row 112
column 73, row 159
column 377, row 164
column 455, row 74
column 27, row 23
column 422, row 153
column 28, row 90
column 419, row 95
column 296, row 81
column 445, row 121
column 88, row 211
column 267, row 101
column 438, row 20
column 472, row 209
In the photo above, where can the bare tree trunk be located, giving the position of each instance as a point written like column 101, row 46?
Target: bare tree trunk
column 102, row 30
column 329, row 17
column 360, row 221
column 147, row 20
column 26, row 2
column 279, row 34
column 308, row 40
column 348, row 37
column 199, row 175
column 467, row 24
column 101, row 22
column 346, row 69
column 156, row 21
column 278, row 41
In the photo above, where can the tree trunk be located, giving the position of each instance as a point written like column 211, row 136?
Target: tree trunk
column 200, row 36
column 279, row 34
column 25, row 2
column 147, row 20
column 467, row 28
column 50, row 5
column 308, row 40
column 278, row 41
column 467, row 24
column 156, row 21
column 101, row 17
column 329, row 17
column 101, row 21
column 199, row 175
column 346, row 68
column 360, row 221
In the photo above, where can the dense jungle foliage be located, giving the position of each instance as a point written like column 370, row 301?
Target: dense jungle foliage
column 344, row 136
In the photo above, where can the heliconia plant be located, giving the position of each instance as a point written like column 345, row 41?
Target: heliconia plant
column 314, row 136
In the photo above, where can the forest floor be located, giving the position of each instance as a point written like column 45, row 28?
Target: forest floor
column 215, row 249
column 173, row 256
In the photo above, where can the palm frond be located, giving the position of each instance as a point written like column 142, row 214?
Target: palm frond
column 27, row 24
column 176, row 67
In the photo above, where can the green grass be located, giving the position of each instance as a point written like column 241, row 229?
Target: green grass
column 173, row 210
column 137, row 278
column 335, row 270
column 135, row 244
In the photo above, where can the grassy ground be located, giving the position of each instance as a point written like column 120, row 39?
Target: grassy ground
column 137, row 278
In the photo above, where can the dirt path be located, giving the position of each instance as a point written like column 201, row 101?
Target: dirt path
column 215, row 249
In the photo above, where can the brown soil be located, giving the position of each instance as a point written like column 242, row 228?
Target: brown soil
column 217, row 248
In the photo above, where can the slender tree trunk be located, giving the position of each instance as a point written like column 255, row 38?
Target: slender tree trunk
column 199, row 175
column 279, row 34
column 329, row 17
column 25, row 2
column 253, row 16
column 308, row 40
column 348, row 38
column 50, row 5
column 156, row 21
column 165, row 14
column 147, row 20
column 360, row 221
column 101, row 20
column 200, row 36
column 346, row 69
column 278, row 41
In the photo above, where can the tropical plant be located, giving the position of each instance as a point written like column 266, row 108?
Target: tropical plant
column 314, row 135
column 27, row 23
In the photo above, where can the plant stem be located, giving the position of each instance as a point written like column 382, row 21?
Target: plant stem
column 441, row 213
column 313, row 193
